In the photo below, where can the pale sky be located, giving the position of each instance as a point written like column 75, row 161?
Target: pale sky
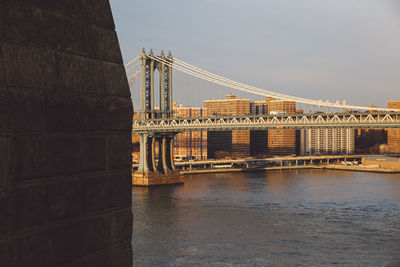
column 330, row 49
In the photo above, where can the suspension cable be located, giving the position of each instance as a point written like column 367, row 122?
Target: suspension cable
column 130, row 62
column 254, row 90
column 131, row 68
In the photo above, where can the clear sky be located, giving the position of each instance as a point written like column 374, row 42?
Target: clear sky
column 331, row 49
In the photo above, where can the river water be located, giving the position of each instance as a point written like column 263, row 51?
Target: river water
column 274, row 218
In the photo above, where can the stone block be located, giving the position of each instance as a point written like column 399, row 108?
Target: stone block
column 47, row 4
column 106, row 192
column 121, row 190
column 119, row 113
column 2, row 67
column 111, row 113
column 115, row 79
column 58, row 245
column 28, row 109
column 65, row 199
column 79, row 74
column 28, row 66
column 93, row 153
column 41, row 27
column 64, row 155
column 3, row 160
column 6, row 214
column 118, row 147
column 21, row 109
column 96, row 194
column 2, row 253
column 93, row 113
column 99, row 12
column 27, row 157
column 120, row 226
column 103, row 43
column 63, row 111
column 116, row 257
column 6, row 108
column 29, row 207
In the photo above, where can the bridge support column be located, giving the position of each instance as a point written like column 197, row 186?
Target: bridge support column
column 143, row 166
column 150, row 172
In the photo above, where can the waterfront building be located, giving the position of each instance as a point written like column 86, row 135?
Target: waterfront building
column 228, row 143
column 381, row 162
column 393, row 134
column 326, row 141
column 190, row 144
column 281, row 141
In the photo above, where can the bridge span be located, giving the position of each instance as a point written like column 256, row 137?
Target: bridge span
column 157, row 126
column 296, row 121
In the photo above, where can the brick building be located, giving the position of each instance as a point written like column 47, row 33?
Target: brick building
column 228, row 143
column 281, row 141
column 190, row 143
column 393, row 134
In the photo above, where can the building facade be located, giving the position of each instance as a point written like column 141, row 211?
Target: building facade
column 393, row 135
column 190, row 144
column 326, row 141
column 234, row 143
column 281, row 141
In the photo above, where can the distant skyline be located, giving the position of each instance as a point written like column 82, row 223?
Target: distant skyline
column 336, row 50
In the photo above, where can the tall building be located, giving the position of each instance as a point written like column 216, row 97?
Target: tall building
column 234, row 143
column 326, row 141
column 393, row 134
column 190, row 143
column 369, row 140
column 281, row 141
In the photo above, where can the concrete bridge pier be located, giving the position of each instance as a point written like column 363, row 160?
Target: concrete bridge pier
column 150, row 172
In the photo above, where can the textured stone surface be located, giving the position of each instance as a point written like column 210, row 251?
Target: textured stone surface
column 21, row 109
column 6, row 214
column 2, row 79
column 79, row 73
column 58, row 245
column 63, row 111
column 29, row 66
column 102, row 43
column 2, row 253
column 29, row 207
column 27, row 157
column 3, row 160
column 93, row 151
column 65, row 199
column 120, row 227
column 117, row 148
column 64, row 154
column 110, row 113
column 115, row 85
column 95, row 192
column 65, row 120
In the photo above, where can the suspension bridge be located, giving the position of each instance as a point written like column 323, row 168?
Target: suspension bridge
column 158, row 124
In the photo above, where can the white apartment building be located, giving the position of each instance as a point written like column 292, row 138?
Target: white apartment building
column 326, row 141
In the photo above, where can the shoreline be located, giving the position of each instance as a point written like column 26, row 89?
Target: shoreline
column 325, row 167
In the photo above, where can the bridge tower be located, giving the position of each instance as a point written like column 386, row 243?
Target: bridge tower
column 154, row 171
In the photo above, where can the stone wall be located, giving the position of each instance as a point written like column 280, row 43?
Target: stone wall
column 65, row 143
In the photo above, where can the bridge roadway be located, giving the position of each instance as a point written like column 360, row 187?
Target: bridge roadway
column 252, row 162
column 358, row 120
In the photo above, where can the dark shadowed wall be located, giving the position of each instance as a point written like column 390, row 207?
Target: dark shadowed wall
column 65, row 142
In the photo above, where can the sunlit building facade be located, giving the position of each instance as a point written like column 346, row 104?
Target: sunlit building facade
column 190, row 144
column 393, row 135
column 234, row 143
